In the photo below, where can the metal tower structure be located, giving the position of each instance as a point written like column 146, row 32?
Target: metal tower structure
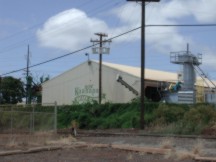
column 187, row 93
column 188, row 60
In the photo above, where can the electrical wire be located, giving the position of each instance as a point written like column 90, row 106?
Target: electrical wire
column 56, row 58
column 181, row 25
column 18, row 44
column 35, row 25
column 82, row 4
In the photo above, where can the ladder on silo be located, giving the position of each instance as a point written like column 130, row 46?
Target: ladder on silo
column 120, row 80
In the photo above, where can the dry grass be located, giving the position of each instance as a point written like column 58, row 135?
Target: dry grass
column 179, row 155
column 129, row 157
column 36, row 139
column 167, row 143
column 61, row 141
column 142, row 153
column 44, row 134
column 198, row 147
column 12, row 143
column 156, row 128
column 183, row 154
column 15, row 142
column 170, row 155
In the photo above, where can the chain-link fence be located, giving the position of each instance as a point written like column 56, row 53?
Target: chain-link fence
column 28, row 118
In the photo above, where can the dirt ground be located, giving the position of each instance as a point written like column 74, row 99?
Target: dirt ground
column 86, row 155
column 69, row 152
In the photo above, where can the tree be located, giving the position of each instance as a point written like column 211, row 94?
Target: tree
column 11, row 90
column 36, row 89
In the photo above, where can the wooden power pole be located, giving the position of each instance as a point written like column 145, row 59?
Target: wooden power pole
column 101, row 50
column 142, row 78
column 28, row 80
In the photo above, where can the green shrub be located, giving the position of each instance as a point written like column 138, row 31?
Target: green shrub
column 167, row 114
column 198, row 117
column 167, row 118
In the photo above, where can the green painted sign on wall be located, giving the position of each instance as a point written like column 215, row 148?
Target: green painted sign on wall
column 85, row 94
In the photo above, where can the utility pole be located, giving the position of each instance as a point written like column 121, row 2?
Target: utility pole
column 28, row 80
column 101, row 50
column 142, row 77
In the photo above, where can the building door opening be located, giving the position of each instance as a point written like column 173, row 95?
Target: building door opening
column 152, row 94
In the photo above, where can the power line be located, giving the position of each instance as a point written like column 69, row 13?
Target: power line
column 76, row 20
column 56, row 58
column 181, row 25
column 87, row 47
column 36, row 25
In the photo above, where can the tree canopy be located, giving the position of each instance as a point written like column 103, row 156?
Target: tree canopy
column 11, row 90
column 36, row 88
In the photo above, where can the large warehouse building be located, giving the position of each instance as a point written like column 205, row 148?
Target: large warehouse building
column 120, row 84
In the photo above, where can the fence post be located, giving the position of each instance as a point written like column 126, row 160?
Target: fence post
column 55, row 117
column 11, row 124
column 33, row 118
column 30, row 122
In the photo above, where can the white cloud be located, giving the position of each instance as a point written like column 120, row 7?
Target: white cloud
column 165, row 38
column 72, row 29
column 129, row 14
column 202, row 10
column 69, row 30
column 208, row 57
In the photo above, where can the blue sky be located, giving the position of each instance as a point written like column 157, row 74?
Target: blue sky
column 54, row 28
